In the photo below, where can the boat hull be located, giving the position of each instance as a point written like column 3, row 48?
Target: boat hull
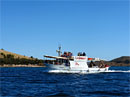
column 56, row 67
column 62, row 68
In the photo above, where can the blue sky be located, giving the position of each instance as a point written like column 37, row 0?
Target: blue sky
column 36, row 27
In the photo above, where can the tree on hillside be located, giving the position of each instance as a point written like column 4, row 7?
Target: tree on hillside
column 10, row 56
column 2, row 49
column 127, row 61
column 31, row 57
column 3, row 55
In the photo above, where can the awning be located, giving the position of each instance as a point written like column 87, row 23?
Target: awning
column 56, row 57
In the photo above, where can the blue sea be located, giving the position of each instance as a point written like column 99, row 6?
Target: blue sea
column 34, row 82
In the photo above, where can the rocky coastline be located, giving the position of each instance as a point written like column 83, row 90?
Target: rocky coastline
column 21, row 65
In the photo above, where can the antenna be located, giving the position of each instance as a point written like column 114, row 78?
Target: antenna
column 59, row 51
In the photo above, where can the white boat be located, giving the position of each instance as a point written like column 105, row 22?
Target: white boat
column 68, row 63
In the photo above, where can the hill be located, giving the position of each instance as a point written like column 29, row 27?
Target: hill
column 5, row 53
column 123, row 59
column 9, row 58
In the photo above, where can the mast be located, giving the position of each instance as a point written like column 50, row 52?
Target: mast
column 59, row 51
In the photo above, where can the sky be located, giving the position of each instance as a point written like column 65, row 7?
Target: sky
column 36, row 27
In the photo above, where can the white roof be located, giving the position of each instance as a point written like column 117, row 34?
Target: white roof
column 56, row 57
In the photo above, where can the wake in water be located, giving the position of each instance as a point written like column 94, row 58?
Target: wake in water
column 118, row 71
column 85, row 72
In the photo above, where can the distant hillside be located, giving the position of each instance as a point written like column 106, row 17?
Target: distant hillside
column 5, row 53
column 13, row 58
column 123, row 59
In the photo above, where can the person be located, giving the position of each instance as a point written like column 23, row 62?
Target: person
column 102, row 65
column 79, row 53
column 84, row 54
column 67, row 63
column 91, row 64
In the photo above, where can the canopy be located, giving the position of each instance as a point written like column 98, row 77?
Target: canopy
column 56, row 57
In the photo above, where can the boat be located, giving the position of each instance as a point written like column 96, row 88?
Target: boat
column 66, row 62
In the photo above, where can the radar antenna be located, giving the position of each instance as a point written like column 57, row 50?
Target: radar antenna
column 59, row 51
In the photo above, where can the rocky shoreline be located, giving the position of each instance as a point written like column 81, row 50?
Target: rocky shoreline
column 21, row 65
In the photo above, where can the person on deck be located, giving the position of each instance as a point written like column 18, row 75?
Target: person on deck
column 92, row 64
column 84, row 54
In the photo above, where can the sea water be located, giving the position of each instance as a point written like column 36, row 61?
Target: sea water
column 35, row 82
